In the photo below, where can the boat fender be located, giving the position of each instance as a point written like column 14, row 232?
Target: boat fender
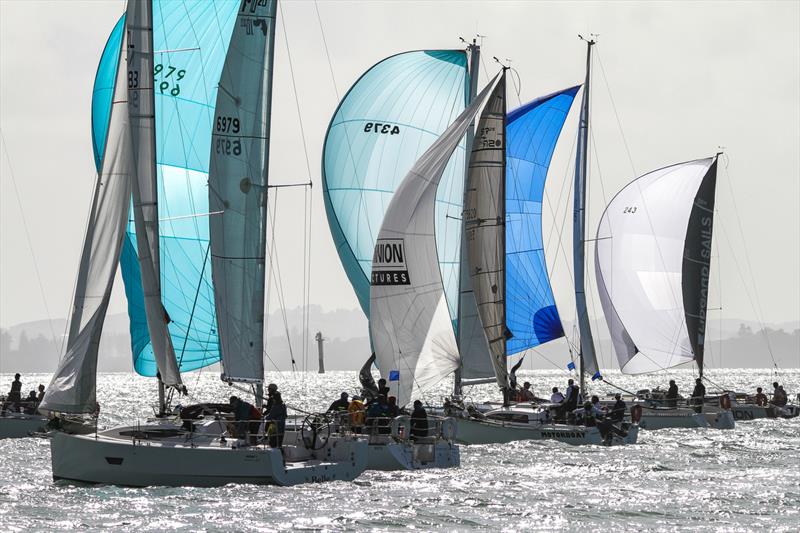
column 400, row 428
column 725, row 401
column 448, row 429
column 636, row 413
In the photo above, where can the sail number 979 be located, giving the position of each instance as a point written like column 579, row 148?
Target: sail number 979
column 378, row 127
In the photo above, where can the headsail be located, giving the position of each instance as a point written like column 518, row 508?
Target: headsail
column 410, row 323
column 484, row 225
column 187, row 71
column 141, row 111
column 532, row 131
column 73, row 387
column 652, row 262
column 237, row 188
column 388, row 118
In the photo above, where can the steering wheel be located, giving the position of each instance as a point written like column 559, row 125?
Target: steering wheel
column 315, row 431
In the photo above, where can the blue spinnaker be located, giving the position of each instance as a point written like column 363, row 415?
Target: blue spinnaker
column 387, row 120
column 191, row 39
column 531, row 132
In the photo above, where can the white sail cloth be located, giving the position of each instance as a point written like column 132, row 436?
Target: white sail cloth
column 410, row 325
column 237, row 179
column 73, row 387
column 141, row 108
column 484, row 225
column 643, row 239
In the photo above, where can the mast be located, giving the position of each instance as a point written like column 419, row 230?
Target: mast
column 463, row 273
column 588, row 362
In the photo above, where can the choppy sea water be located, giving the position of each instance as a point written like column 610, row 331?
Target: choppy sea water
column 674, row 479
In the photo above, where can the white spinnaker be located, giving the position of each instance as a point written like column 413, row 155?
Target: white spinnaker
column 237, row 180
column 73, row 387
column 484, row 225
column 144, row 186
column 639, row 265
column 410, row 326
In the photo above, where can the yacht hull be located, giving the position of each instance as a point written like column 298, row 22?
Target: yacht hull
column 17, row 426
column 105, row 459
column 413, row 456
column 471, row 431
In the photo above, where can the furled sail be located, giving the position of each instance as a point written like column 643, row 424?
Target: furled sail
column 484, row 225
column 73, row 387
column 388, row 118
column 237, row 188
column 652, row 262
column 191, row 39
column 410, row 324
column 532, row 131
column 144, row 186
column 588, row 357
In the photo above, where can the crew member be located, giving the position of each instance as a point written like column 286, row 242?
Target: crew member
column 277, row 419
column 698, row 394
column 419, row 421
column 672, row 394
column 761, row 398
column 357, row 414
column 779, row 397
column 341, row 405
column 617, row 413
column 525, row 393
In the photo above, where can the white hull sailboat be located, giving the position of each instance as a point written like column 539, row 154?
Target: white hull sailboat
column 142, row 456
column 202, row 451
column 20, row 425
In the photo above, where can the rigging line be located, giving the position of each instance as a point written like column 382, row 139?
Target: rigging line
column 747, row 260
column 747, row 293
column 194, row 305
column 308, row 281
column 304, row 315
column 276, row 273
column 614, row 107
column 294, row 87
column 327, row 52
column 30, row 244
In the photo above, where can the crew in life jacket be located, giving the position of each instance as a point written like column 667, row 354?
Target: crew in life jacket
column 357, row 414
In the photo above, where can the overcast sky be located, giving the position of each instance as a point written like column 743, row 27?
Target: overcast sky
column 685, row 79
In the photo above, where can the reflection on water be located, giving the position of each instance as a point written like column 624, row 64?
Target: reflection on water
column 747, row 478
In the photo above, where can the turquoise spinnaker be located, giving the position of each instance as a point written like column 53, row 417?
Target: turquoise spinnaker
column 385, row 122
column 532, row 131
column 191, row 39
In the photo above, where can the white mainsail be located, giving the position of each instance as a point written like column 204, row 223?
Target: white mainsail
column 484, row 225
column 410, row 325
column 237, row 181
column 652, row 263
column 141, row 108
column 73, row 387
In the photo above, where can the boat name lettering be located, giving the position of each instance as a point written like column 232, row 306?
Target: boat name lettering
column 563, row 434
column 380, row 127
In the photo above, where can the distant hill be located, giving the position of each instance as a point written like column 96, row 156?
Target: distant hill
column 731, row 343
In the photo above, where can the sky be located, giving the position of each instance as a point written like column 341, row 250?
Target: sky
column 672, row 81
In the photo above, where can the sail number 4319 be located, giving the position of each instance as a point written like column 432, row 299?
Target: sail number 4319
column 379, row 127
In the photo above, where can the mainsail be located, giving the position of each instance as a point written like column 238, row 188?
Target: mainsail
column 388, row 118
column 484, row 225
column 652, row 261
column 73, row 387
column 144, row 186
column 237, row 183
column 191, row 39
column 410, row 323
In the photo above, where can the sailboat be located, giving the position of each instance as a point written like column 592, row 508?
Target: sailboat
column 652, row 261
column 393, row 113
column 168, row 450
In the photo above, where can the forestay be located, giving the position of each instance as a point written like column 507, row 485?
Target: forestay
column 484, row 224
column 73, row 387
column 388, row 118
column 410, row 324
column 652, row 262
column 532, row 131
column 237, row 182
column 144, row 186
